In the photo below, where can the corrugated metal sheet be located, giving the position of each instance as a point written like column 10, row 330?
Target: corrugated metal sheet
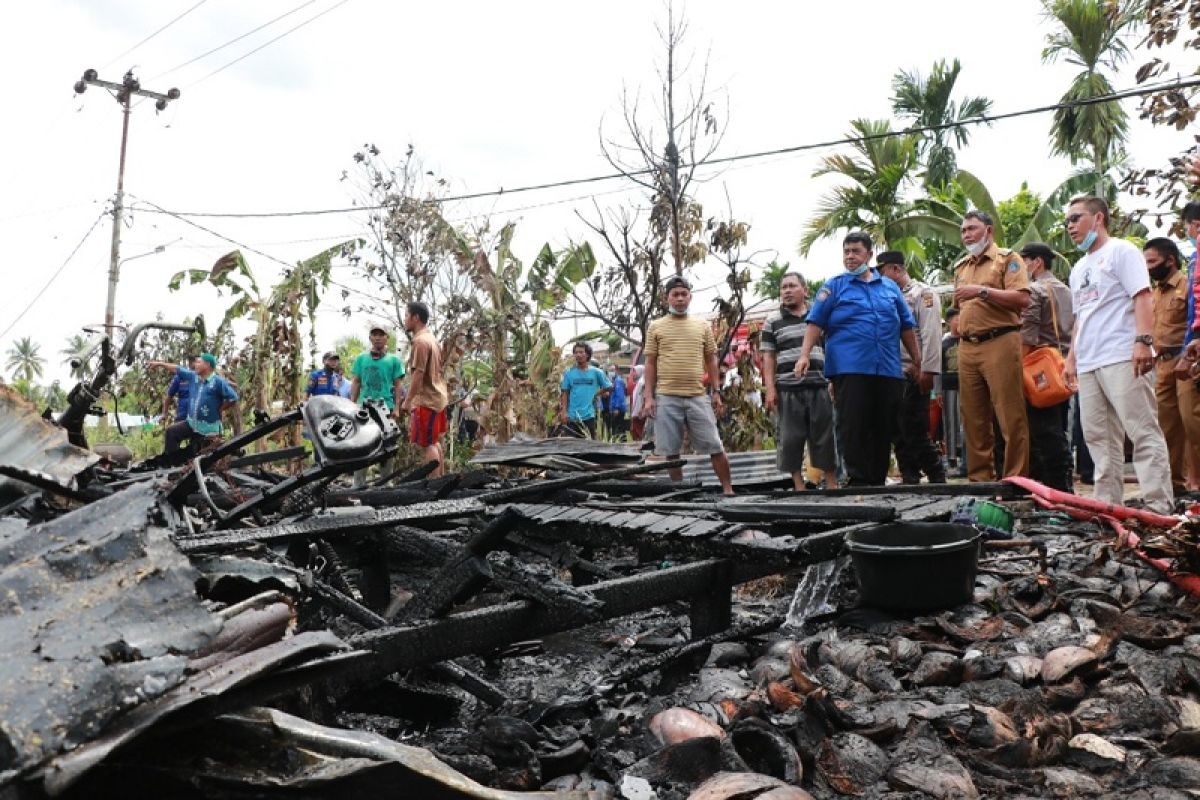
column 29, row 442
column 750, row 467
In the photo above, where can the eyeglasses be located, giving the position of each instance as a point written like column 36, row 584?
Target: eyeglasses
column 1071, row 220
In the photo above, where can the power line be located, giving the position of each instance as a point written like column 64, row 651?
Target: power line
column 156, row 33
column 233, row 41
column 981, row 120
column 160, row 210
column 270, row 42
column 53, row 277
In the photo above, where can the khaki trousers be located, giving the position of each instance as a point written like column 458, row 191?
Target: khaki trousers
column 990, row 383
column 1113, row 403
column 1178, row 416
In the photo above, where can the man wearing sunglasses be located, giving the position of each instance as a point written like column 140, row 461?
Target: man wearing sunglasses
column 1114, row 320
column 991, row 289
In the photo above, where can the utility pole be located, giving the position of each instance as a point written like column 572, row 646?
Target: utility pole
column 123, row 92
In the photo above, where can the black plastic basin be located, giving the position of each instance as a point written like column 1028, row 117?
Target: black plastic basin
column 915, row 566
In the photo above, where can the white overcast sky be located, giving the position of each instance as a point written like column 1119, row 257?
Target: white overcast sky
column 491, row 94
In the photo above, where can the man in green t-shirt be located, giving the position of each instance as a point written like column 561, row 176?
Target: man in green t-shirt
column 377, row 376
column 378, row 373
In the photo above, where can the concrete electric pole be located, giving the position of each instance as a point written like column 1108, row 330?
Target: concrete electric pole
column 124, row 93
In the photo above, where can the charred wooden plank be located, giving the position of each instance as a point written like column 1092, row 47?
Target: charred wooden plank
column 406, row 646
column 441, row 509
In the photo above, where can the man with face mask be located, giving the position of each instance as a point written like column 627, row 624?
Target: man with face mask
column 1112, row 358
column 1047, row 322
column 680, row 351
column 915, row 452
column 991, row 289
column 1177, row 408
column 864, row 319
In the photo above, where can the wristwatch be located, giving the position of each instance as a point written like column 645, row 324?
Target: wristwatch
column 983, row 293
column 1145, row 339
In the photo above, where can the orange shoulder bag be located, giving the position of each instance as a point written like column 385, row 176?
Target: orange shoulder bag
column 1042, row 370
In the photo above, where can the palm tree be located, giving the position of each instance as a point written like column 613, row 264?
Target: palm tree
column 1090, row 34
column 24, row 361
column 927, row 102
column 73, row 351
column 880, row 168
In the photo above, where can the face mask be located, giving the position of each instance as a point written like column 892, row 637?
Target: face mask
column 677, row 312
column 1159, row 272
column 860, row 270
column 978, row 247
column 1087, row 242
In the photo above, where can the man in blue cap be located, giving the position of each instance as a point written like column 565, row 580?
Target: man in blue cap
column 211, row 396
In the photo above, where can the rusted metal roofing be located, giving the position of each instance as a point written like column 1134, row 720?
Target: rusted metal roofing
column 29, row 442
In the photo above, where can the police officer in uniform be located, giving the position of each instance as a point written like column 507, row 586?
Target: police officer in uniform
column 915, row 451
column 991, row 289
column 1047, row 322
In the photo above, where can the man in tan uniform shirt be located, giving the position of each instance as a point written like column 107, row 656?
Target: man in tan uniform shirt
column 1178, row 412
column 991, row 289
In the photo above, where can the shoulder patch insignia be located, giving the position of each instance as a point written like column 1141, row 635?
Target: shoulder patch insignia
column 822, row 295
column 1013, row 266
column 927, row 298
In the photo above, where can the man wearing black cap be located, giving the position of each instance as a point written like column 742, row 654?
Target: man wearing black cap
column 680, row 351
column 915, row 451
column 1047, row 322
column 328, row 379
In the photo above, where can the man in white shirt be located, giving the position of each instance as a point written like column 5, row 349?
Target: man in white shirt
column 1113, row 322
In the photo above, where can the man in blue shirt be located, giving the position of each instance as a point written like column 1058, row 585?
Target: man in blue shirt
column 328, row 379
column 180, row 388
column 618, row 405
column 211, row 396
column 579, row 388
column 1191, row 227
column 864, row 318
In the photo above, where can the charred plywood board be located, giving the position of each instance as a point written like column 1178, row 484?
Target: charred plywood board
column 98, row 613
column 29, row 442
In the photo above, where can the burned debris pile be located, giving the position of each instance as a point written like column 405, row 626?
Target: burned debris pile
column 562, row 621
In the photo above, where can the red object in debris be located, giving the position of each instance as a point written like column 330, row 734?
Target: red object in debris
column 1083, row 508
column 1095, row 506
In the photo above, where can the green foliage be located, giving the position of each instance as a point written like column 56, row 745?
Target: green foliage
column 879, row 167
column 1015, row 215
column 926, row 101
column 348, row 348
column 768, row 284
column 25, row 360
column 1090, row 34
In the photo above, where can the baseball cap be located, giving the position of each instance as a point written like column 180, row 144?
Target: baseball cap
column 676, row 281
column 890, row 257
column 331, row 354
column 375, row 326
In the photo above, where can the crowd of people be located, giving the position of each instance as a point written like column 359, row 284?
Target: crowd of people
column 849, row 375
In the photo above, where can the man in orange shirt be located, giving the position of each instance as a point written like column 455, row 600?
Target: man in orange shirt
column 427, row 396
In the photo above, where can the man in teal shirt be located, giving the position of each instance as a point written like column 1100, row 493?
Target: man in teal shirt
column 377, row 376
column 378, row 373
column 581, row 385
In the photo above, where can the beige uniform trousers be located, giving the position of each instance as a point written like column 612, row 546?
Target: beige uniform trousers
column 1114, row 403
column 990, row 382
